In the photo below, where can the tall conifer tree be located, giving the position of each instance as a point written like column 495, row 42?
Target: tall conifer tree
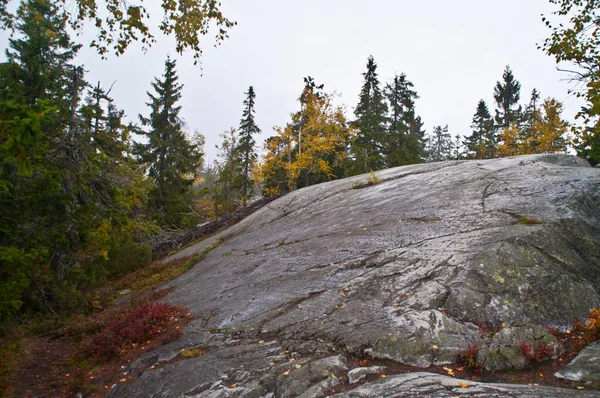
column 370, row 123
column 440, row 144
column 171, row 159
column 245, row 150
column 41, row 52
column 481, row 143
column 507, row 94
column 403, row 144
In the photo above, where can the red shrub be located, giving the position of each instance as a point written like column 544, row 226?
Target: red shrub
column 526, row 350
column 468, row 358
column 553, row 331
column 542, row 351
column 134, row 326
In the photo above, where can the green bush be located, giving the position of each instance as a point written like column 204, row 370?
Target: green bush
column 14, row 264
column 128, row 257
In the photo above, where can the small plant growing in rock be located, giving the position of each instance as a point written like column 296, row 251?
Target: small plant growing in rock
column 529, row 220
column 539, row 353
column 468, row 358
column 373, row 179
column 484, row 330
column 553, row 331
column 191, row 352
column 589, row 328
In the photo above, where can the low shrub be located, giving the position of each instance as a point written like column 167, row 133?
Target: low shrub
column 468, row 358
column 553, row 331
column 130, row 328
column 589, row 327
column 538, row 353
column 373, row 179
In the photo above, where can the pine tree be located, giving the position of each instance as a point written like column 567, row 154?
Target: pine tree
column 482, row 141
column 171, row 159
column 507, row 94
column 440, row 144
column 245, row 151
column 370, row 123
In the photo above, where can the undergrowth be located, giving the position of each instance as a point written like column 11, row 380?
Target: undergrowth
column 372, row 180
column 588, row 328
column 468, row 358
column 538, row 353
column 133, row 326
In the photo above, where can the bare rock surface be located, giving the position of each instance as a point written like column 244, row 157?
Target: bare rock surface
column 585, row 366
column 401, row 270
column 421, row 384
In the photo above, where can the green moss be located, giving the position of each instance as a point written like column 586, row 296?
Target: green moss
column 529, row 220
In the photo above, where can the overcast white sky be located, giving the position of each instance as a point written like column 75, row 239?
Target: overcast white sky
column 453, row 52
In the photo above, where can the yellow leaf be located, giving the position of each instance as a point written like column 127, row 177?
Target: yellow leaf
column 233, row 386
column 261, row 342
column 463, row 384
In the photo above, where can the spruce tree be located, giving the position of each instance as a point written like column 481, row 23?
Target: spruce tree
column 507, row 94
column 370, row 123
column 440, row 144
column 401, row 145
column 245, row 151
column 41, row 52
column 226, row 191
column 531, row 116
column 68, row 203
column 171, row 159
column 481, row 143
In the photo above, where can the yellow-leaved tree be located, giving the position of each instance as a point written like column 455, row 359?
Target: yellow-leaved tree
column 510, row 144
column 551, row 129
column 311, row 148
